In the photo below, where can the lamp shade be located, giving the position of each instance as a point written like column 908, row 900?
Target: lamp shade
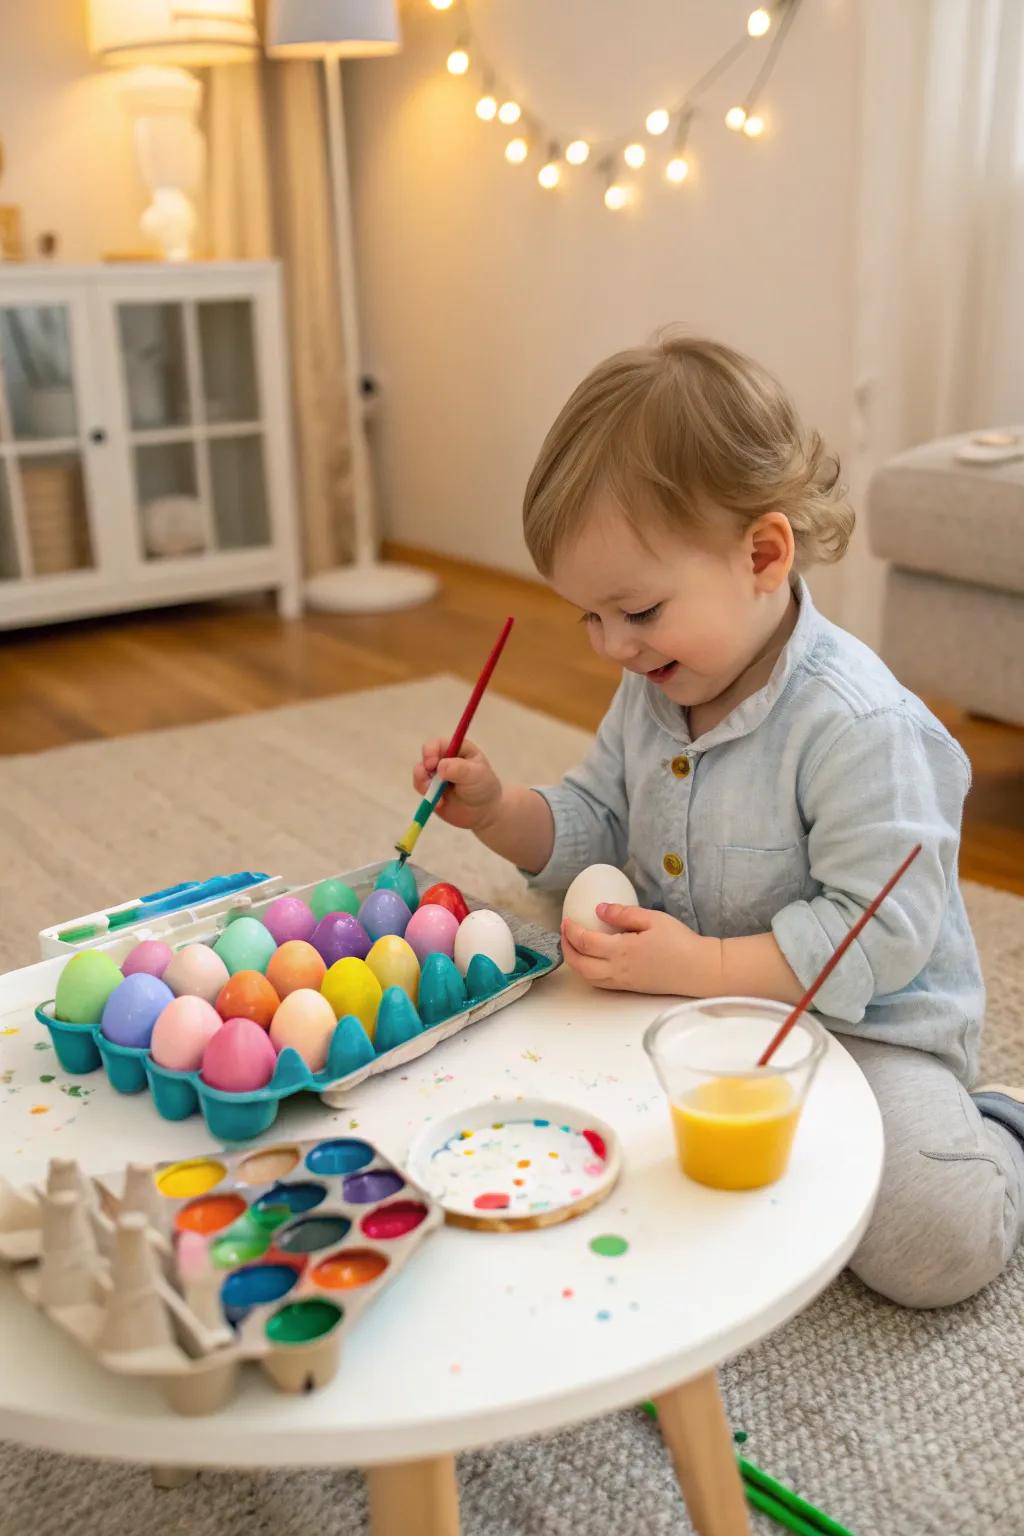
column 189, row 32
column 349, row 29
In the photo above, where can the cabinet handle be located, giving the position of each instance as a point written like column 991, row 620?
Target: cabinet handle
column 97, row 435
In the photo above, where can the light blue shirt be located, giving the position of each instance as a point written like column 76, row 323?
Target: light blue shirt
column 788, row 817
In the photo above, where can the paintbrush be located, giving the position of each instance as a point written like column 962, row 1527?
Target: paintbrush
column 437, row 787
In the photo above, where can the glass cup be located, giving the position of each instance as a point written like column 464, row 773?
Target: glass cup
column 734, row 1121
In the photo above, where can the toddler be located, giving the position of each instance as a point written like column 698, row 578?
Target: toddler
column 763, row 773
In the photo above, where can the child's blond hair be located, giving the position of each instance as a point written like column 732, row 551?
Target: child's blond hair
column 677, row 429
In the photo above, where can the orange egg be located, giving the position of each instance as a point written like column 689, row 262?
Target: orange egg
column 248, row 995
column 295, row 966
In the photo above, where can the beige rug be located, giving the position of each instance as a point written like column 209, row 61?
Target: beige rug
column 898, row 1424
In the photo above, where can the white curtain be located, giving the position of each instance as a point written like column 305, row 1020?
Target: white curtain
column 940, row 328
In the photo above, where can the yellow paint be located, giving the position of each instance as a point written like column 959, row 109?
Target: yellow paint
column 11, row 1030
column 183, row 1181
column 39, row 1109
column 736, row 1132
column 552, row 1154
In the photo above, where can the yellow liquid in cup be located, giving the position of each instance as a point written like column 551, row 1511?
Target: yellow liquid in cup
column 736, row 1132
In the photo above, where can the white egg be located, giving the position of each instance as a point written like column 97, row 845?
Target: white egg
column 485, row 933
column 601, row 882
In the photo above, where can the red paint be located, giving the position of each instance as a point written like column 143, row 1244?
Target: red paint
column 568, row 1293
column 449, row 896
column 493, row 1202
column 394, row 1220
column 597, row 1143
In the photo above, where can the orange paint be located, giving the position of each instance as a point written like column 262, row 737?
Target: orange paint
column 736, row 1133
column 210, row 1215
column 348, row 1271
column 525, row 1163
column 39, row 1109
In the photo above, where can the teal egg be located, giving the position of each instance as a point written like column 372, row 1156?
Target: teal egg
column 245, row 945
column 350, row 1048
column 399, row 877
column 483, row 979
column 333, row 896
column 397, row 1020
column 442, row 989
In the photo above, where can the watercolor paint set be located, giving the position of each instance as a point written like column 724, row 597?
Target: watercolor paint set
column 182, row 1273
column 376, row 1024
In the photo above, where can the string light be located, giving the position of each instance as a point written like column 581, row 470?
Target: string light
column 657, row 121
column 677, row 169
column 549, row 175
column 577, row 152
column 735, row 118
column 458, row 61
column 634, row 156
column 487, row 109
column 753, row 127
column 616, row 197
column 441, row 5
column 758, row 22
column 509, row 112
column 516, row 151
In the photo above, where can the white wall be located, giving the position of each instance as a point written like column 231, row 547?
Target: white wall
column 66, row 139
column 485, row 299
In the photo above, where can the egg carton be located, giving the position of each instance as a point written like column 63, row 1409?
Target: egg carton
column 182, row 1273
column 351, row 1058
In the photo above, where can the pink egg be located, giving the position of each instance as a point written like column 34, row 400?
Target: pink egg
column 182, row 1033
column 151, row 956
column 196, row 971
column 431, row 931
column 306, row 1022
column 239, row 1058
column 289, row 918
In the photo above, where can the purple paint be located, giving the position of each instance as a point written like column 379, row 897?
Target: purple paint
column 373, row 1187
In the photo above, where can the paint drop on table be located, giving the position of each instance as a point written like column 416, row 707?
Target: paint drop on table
column 300, row 1322
column 196, row 1176
column 604, row 1317
column 348, row 1271
column 491, row 1202
column 391, row 1221
column 609, row 1246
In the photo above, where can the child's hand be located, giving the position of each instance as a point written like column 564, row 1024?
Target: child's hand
column 474, row 793
column 651, row 952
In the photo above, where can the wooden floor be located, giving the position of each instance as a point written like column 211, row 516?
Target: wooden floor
column 111, row 677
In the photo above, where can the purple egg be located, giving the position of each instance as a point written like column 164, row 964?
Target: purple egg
column 432, row 931
column 289, row 918
column 152, row 956
column 133, row 1008
column 339, row 935
column 384, row 912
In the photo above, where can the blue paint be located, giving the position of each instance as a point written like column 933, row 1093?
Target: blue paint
column 604, row 1317
column 255, row 1286
column 542, row 1122
column 341, row 1156
column 297, row 1197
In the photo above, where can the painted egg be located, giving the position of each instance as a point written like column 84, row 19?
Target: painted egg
column 384, row 912
column 132, row 1009
column 196, row 971
column 398, row 877
column 296, row 964
column 245, row 945
column 485, row 933
column 248, row 995
column 305, row 1021
column 432, row 931
column 333, row 896
column 339, row 935
column 152, row 957
column 182, row 1033
column 239, row 1058
column 442, row 989
column 600, row 882
column 444, row 895
column 289, row 918
column 394, row 964
column 83, row 987
column 351, row 987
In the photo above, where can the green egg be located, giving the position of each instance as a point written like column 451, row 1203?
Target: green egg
column 333, row 896
column 245, row 945
column 84, row 985
column 398, row 877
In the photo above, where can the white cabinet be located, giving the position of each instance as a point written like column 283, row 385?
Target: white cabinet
column 145, row 438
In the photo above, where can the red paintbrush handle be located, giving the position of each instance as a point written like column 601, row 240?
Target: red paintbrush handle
column 459, row 735
column 830, row 965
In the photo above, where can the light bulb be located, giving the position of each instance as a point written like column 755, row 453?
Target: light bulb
column 549, row 175
column 441, row 5
column 735, row 118
column 458, row 61
column 577, row 152
column 754, row 127
column 516, row 151
column 758, row 22
column 509, row 112
column 487, row 109
column 634, row 156
column 677, row 169
column 615, row 197
column 657, row 121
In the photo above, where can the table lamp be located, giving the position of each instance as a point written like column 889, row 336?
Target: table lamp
column 333, row 30
column 163, row 99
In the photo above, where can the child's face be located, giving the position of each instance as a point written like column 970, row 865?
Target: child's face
column 690, row 617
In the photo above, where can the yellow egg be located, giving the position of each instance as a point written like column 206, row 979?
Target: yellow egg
column 394, row 964
column 351, row 987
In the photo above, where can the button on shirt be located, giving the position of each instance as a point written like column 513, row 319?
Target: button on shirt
column 789, row 816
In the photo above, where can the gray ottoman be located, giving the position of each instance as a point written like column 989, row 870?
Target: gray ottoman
column 954, row 602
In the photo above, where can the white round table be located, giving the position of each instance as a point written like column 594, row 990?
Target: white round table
column 484, row 1336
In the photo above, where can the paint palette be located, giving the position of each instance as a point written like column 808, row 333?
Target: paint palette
column 517, row 1165
column 184, row 1272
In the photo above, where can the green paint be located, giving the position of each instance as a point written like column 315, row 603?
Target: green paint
column 42, row 1045
column 609, row 1247
column 740, row 1437
column 72, row 1090
column 47, row 1077
column 303, row 1321
column 232, row 1251
column 76, row 935
column 270, row 1217
column 122, row 919
column 650, row 1410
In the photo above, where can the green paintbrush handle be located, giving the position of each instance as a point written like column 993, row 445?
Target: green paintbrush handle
column 810, row 1521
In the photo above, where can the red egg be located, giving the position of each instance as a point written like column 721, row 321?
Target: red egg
column 449, row 896
column 248, row 995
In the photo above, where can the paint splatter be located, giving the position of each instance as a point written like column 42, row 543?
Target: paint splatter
column 518, row 1183
column 12, row 1029
column 456, row 1370
column 492, row 1201
column 594, row 1170
column 543, row 1123
column 597, row 1142
column 609, row 1246
column 42, row 1045
column 39, row 1109
column 568, row 1293
column 524, row 1162
column 604, row 1317
column 47, row 1077
column 532, row 1056
column 552, row 1154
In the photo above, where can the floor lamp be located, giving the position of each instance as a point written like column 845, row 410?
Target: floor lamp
column 333, row 30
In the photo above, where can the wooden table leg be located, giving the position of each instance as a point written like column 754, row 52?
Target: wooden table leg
column 696, row 1431
column 414, row 1498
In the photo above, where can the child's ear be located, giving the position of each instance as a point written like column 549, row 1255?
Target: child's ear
column 772, row 551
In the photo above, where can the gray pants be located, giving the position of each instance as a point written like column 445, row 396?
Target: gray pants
column 950, row 1208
